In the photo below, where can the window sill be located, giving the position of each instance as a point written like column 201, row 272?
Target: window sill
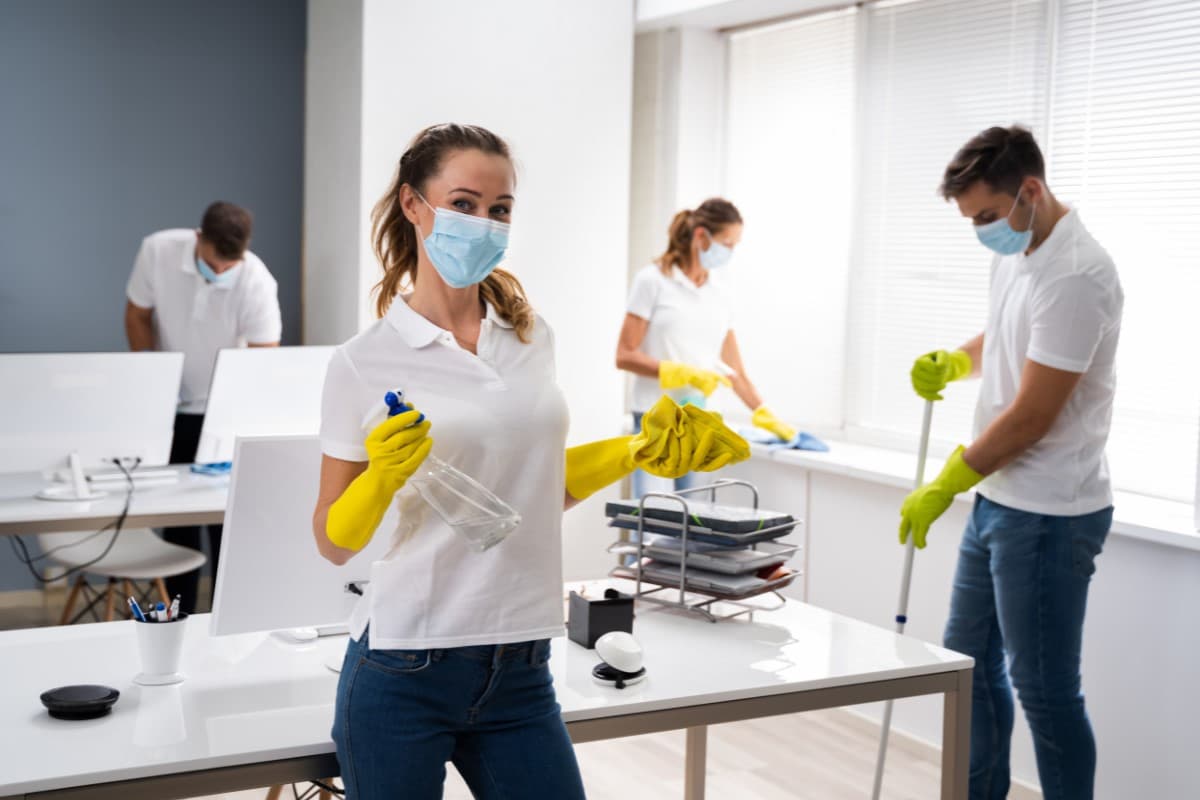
column 1164, row 522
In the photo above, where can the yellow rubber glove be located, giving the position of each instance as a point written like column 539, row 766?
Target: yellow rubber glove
column 932, row 371
column 717, row 445
column 926, row 504
column 673, row 375
column 673, row 442
column 395, row 448
column 764, row 418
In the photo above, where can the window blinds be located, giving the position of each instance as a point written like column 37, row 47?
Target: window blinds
column 877, row 100
column 935, row 73
column 1124, row 147
column 790, row 136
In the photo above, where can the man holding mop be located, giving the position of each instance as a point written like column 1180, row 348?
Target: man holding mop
column 1044, row 501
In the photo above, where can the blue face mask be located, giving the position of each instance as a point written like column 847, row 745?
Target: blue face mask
column 464, row 248
column 716, row 256
column 1000, row 237
column 225, row 278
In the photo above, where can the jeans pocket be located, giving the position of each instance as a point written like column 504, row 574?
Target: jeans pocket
column 1087, row 540
column 398, row 662
column 541, row 652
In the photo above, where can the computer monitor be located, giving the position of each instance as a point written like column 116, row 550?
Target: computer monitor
column 99, row 406
column 262, row 391
column 271, row 576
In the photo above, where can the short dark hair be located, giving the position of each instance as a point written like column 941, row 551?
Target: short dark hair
column 227, row 228
column 1000, row 157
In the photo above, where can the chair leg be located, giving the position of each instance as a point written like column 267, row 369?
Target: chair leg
column 72, row 596
column 127, row 588
column 161, row 585
column 274, row 792
column 110, row 598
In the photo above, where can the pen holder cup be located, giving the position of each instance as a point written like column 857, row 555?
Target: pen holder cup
column 160, row 645
column 588, row 620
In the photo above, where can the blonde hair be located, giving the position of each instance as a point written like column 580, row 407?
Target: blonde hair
column 714, row 215
column 394, row 238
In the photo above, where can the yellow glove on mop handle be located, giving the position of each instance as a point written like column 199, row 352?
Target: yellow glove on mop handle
column 673, row 442
column 923, row 506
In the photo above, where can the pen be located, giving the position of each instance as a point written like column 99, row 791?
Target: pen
column 174, row 610
column 136, row 610
column 160, row 612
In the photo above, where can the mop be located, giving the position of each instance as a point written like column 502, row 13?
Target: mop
column 905, row 582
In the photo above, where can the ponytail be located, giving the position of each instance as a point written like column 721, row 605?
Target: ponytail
column 679, row 242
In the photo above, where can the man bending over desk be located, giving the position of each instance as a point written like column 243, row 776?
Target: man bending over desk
column 195, row 292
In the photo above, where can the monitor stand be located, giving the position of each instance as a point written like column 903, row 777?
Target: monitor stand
column 77, row 490
column 302, row 636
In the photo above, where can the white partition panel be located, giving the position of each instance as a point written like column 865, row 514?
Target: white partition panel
column 99, row 405
column 271, row 575
column 262, row 391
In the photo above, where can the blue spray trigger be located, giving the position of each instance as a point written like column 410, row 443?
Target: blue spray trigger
column 397, row 406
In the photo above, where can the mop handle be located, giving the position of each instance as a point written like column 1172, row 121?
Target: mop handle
column 905, row 583
column 909, row 547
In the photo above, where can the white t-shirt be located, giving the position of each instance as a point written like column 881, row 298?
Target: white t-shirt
column 198, row 318
column 501, row 418
column 688, row 324
column 1061, row 307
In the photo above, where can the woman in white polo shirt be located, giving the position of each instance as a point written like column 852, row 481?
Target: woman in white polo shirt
column 678, row 334
column 449, row 649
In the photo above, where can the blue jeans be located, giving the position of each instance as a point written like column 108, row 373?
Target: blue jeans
column 1020, row 591
column 402, row 714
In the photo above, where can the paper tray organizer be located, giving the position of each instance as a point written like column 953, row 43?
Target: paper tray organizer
column 722, row 541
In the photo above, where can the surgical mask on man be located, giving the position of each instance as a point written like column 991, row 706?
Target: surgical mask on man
column 717, row 255
column 464, row 248
column 225, row 278
column 999, row 236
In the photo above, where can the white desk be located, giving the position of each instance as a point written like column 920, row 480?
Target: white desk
column 193, row 500
column 255, row 711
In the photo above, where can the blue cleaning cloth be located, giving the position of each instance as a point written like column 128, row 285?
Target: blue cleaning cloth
column 802, row 441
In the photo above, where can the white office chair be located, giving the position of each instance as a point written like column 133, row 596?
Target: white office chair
column 137, row 556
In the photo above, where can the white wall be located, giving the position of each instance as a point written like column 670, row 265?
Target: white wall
column 716, row 14
column 1141, row 639
column 678, row 124
column 333, row 202
column 555, row 80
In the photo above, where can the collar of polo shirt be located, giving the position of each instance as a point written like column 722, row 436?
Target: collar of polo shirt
column 419, row 332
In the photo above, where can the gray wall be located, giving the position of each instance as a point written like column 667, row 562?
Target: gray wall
column 123, row 117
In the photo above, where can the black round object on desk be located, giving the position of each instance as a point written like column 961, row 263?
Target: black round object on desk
column 79, row 702
column 608, row 675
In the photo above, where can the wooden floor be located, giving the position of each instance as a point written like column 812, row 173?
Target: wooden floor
column 821, row 755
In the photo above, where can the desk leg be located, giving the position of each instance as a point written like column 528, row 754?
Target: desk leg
column 696, row 763
column 956, row 737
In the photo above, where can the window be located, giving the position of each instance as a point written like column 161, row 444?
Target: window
column 791, row 137
column 920, row 277
column 1124, row 146
column 877, row 99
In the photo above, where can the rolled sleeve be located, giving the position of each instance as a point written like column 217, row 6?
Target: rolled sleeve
column 1070, row 317
column 342, row 411
column 643, row 295
column 140, row 288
